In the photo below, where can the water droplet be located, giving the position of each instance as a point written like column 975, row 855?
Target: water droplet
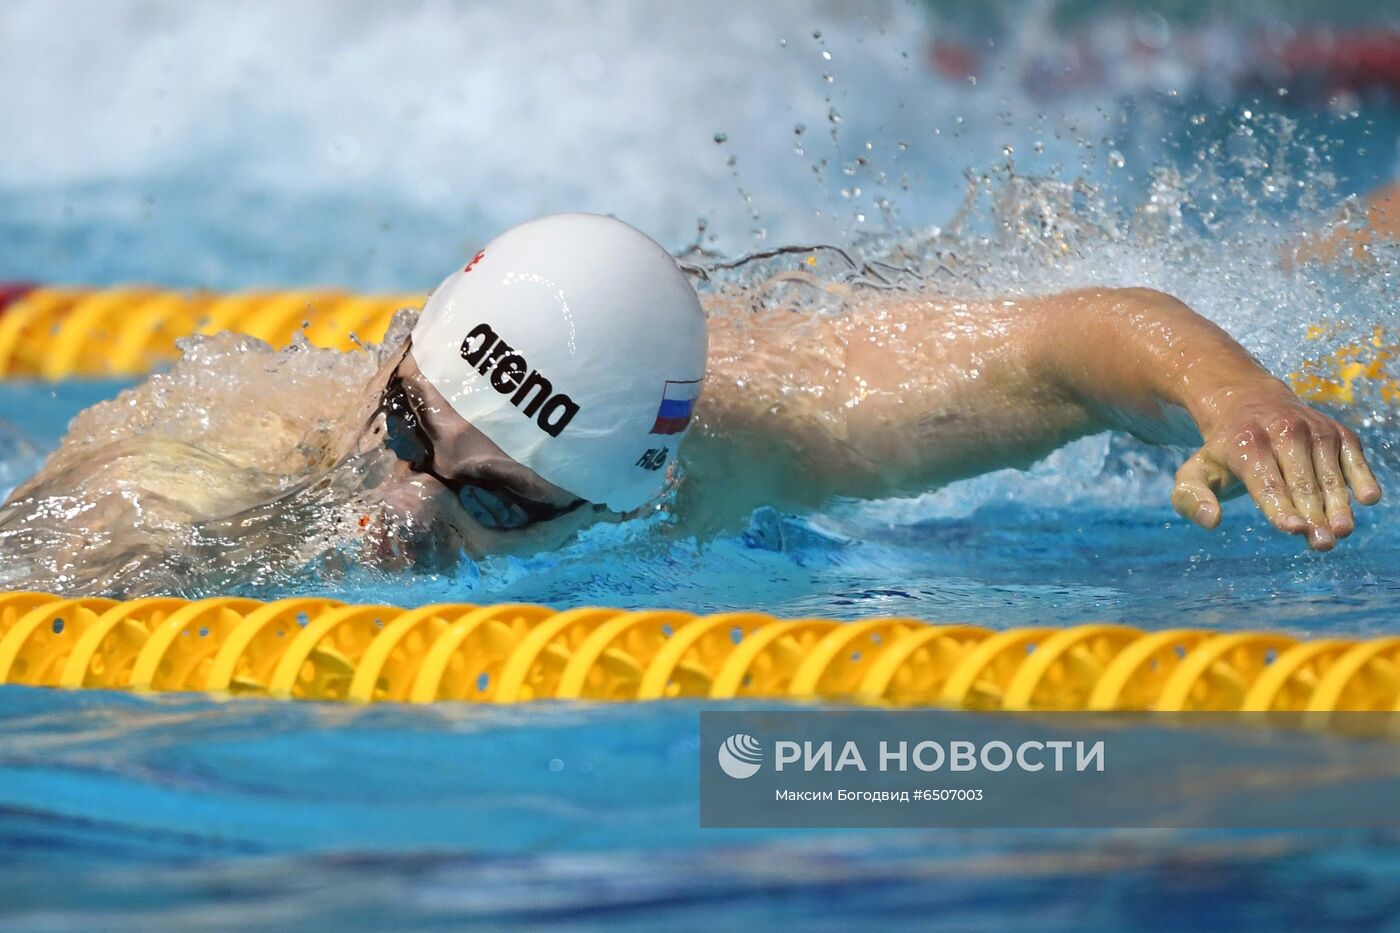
column 826, row 56
column 1116, row 159
column 721, row 138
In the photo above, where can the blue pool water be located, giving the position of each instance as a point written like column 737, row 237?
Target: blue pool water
column 129, row 812
column 221, row 159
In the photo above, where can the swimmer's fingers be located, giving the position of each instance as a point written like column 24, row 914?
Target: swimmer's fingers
column 1253, row 459
column 1334, row 485
column 1199, row 485
column 1357, row 470
column 1294, row 441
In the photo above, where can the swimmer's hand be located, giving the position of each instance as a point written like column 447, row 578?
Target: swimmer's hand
column 1142, row 358
column 1300, row 466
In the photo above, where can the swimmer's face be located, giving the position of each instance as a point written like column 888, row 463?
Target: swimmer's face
column 492, row 488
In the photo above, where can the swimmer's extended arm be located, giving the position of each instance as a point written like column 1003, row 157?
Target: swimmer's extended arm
column 906, row 393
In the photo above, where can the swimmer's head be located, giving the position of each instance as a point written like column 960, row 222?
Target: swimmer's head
column 573, row 348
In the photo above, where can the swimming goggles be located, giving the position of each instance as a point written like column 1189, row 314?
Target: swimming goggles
column 491, row 502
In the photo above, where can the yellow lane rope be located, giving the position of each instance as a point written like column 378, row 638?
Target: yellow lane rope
column 315, row 648
column 57, row 333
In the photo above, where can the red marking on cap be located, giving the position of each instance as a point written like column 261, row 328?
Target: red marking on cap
column 475, row 259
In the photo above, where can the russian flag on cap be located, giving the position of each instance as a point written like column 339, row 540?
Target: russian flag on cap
column 677, row 405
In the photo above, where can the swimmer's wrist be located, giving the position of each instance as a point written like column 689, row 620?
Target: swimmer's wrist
column 1220, row 404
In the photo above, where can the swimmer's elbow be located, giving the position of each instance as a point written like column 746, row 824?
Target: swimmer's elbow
column 1116, row 327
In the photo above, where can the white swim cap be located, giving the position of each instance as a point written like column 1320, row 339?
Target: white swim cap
column 576, row 344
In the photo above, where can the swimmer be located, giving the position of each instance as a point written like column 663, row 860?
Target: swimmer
column 569, row 374
column 553, row 378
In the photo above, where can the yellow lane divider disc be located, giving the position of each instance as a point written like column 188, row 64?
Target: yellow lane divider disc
column 320, row 662
column 610, row 663
column 180, row 650
column 686, row 663
column 107, row 649
column 1218, row 673
column 465, row 660
column 14, row 606
column 836, row 665
column 535, row 667
column 1134, row 679
column 28, row 325
column 390, row 664
column 148, row 332
column 80, row 340
column 980, row 681
column 245, row 662
column 38, row 642
column 1287, row 685
column 1365, row 678
column 762, row 665
column 914, row 670
column 1062, row 670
